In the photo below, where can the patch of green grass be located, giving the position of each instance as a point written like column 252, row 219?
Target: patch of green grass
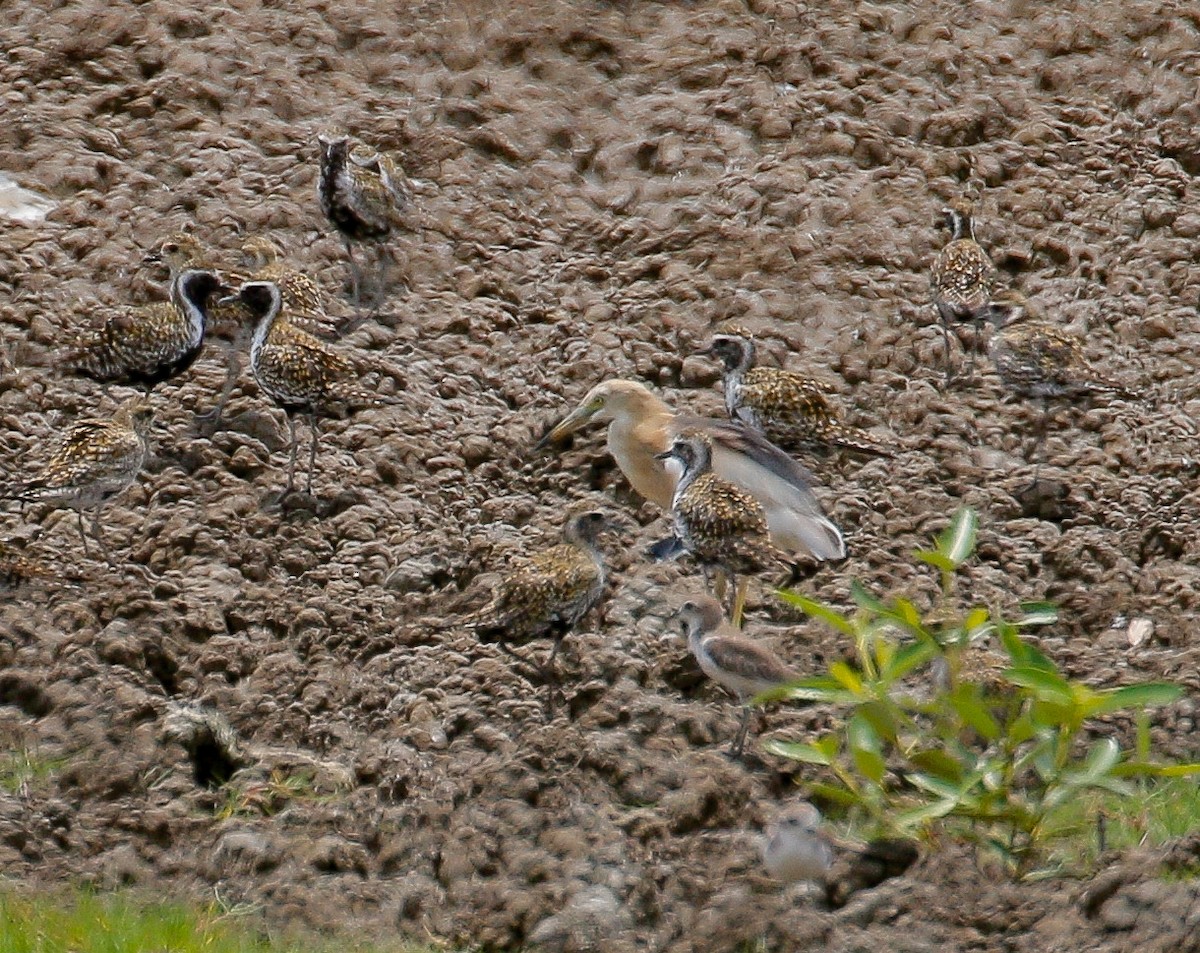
column 23, row 769
column 1159, row 811
column 84, row 922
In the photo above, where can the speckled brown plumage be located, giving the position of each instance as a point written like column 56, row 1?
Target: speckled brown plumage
column 962, row 276
column 547, row 594
column 1036, row 359
column 303, row 300
column 17, row 565
column 362, row 193
column 721, row 525
column 143, row 346
column 299, row 372
column 789, row 409
column 738, row 664
column 94, row 461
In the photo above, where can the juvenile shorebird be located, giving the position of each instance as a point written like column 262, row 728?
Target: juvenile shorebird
column 796, row 847
column 144, row 346
column 789, row 409
column 547, row 594
column 641, row 426
column 962, row 276
column 93, row 462
column 363, row 194
column 1035, row 359
column 736, row 663
column 299, row 372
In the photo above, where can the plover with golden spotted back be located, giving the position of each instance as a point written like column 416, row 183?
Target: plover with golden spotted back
column 641, row 426
column 362, row 193
column 736, row 663
column 962, row 276
column 547, row 594
column 144, row 346
column 94, row 461
column 299, row 372
column 789, row 409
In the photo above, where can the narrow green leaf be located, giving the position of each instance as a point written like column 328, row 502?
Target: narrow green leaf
column 974, row 713
column 864, row 599
column 869, row 764
column 847, row 677
column 1179, row 770
column 1101, row 759
column 935, row 559
column 938, row 786
column 817, row 610
column 937, row 763
column 834, row 794
column 1038, row 613
column 830, row 744
column 1048, row 686
column 976, row 619
column 908, row 658
column 957, row 541
column 805, row 753
column 861, row 734
column 915, row 817
column 1136, row 696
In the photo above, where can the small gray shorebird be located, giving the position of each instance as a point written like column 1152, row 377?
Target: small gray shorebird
column 736, row 663
column 962, row 277
column 363, row 194
column 93, row 462
column 789, row 409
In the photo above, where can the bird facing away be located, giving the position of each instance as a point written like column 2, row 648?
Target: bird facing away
column 736, row 663
column 362, row 194
column 1036, row 359
column 94, row 461
column 147, row 345
column 641, row 426
column 299, row 372
column 721, row 525
column 547, row 594
column 790, row 410
column 962, row 276
column 795, row 847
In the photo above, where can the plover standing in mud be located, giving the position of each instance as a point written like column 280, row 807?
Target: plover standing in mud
column 363, row 195
column 94, row 461
column 734, row 662
column 301, row 373
column 641, row 427
column 1036, row 359
column 789, row 409
column 721, row 525
column 962, row 276
column 549, row 593
column 144, row 346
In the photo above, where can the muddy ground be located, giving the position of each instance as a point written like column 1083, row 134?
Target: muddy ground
column 605, row 183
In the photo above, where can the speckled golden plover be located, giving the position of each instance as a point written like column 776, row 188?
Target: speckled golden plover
column 641, row 426
column 736, row 663
column 144, row 346
column 94, row 461
column 1035, row 359
column 299, row 372
column 962, row 276
column 547, row 594
column 362, row 193
column 722, row 526
column 789, row 409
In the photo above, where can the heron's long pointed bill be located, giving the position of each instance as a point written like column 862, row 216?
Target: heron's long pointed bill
column 575, row 420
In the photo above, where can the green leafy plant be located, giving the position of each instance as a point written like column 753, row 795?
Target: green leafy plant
column 927, row 737
column 24, row 768
column 246, row 797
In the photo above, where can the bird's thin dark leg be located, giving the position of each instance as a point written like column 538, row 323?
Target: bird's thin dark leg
column 739, row 602
column 82, row 533
column 96, row 531
column 355, row 274
column 315, row 426
column 739, row 742
column 233, row 368
column 291, row 480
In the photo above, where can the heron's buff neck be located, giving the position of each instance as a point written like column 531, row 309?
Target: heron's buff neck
column 635, row 435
